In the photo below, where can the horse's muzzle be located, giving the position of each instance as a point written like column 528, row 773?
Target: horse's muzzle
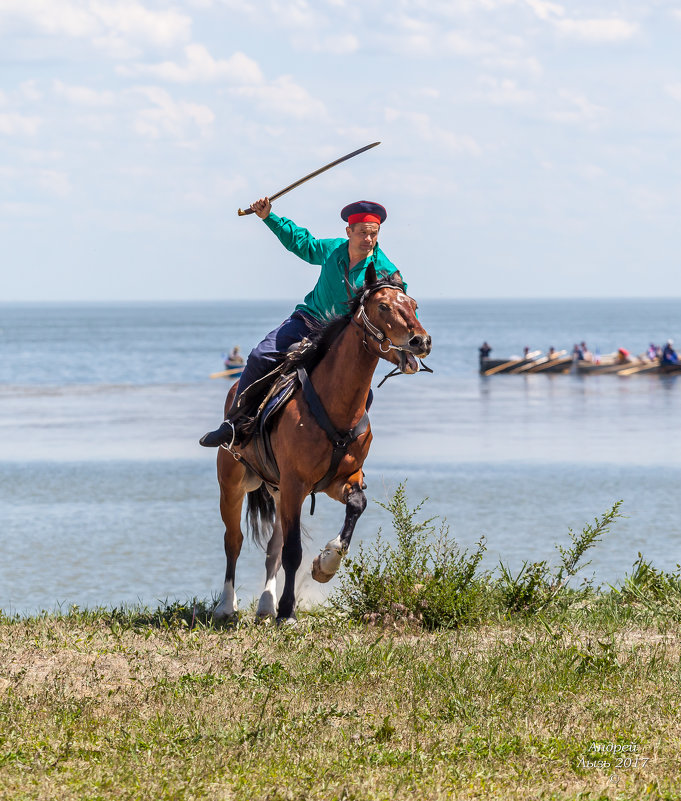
column 419, row 345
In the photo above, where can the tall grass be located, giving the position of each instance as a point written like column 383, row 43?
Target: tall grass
column 422, row 577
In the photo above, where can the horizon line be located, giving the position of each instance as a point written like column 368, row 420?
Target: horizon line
column 295, row 300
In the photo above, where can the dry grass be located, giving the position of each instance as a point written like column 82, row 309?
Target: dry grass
column 94, row 707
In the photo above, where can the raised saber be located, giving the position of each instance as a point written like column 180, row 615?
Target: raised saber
column 312, row 175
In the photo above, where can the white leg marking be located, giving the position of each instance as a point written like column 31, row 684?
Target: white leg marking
column 325, row 565
column 267, row 605
column 227, row 605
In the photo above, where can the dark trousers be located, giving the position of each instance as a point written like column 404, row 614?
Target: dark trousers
column 271, row 351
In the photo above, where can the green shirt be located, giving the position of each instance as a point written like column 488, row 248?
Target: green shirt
column 329, row 296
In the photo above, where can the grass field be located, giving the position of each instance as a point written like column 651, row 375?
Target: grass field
column 425, row 679
column 101, row 706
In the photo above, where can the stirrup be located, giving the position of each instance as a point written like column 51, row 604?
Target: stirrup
column 231, row 444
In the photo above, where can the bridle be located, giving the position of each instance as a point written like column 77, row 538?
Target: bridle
column 375, row 333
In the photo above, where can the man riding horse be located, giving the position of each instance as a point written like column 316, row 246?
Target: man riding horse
column 344, row 263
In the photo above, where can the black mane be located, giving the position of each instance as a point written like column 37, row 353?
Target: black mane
column 323, row 337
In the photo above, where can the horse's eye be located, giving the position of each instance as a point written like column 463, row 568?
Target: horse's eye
column 384, row 307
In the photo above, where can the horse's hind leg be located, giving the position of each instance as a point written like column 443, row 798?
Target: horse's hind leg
column 267, row 605
column 325, row 565
column 288, row 514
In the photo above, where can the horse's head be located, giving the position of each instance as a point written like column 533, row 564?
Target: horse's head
column 388, row 316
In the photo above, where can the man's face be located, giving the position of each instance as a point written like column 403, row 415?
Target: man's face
column 363, row 236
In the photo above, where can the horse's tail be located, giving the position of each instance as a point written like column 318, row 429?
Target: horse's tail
column 260, row 515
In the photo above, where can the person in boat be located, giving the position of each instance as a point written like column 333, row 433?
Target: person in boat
column 235, row 357
column 669, row 355
column 343, row 264
column 654, row 352
column 623, row 356
column 485, row 351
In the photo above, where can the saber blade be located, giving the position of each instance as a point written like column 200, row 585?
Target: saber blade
column 314, row 174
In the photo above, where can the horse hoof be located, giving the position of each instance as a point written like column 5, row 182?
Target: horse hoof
column 263, row 620
column 326, row 564
column 287, row 621
column 318, row 574
column 224, row 619
column 266, row 606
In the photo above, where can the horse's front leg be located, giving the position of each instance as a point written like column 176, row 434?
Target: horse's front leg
column 232, row 493
column 325, row 565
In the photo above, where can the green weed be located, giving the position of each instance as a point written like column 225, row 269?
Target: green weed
column 423, row 579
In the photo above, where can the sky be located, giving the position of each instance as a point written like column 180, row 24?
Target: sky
column 528, row 148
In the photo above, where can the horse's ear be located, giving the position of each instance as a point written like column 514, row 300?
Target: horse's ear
column 370, row 275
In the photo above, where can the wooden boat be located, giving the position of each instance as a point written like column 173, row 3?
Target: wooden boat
column 648, row 366
column 494, row 366
column 610, row 364
column 560, row 362
column 670, row 369
column 536, row 365
column 232, row 370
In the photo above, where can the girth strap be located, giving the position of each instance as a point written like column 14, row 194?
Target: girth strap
column 341, row 440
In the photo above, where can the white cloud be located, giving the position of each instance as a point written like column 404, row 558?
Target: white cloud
column 429, row 92
column 201, row 67
column 591, row 172
column 338, row 44
column 21, row 209
column 545, row 10
column 132, row 19
column 427, row 131
column 30, row 91
column 598, row 30
column 13, row 124
column 283, row 96
column 593, row 30
column 528, row 65
column 168, row 117
column 55, row 182
column 464, row 44
column 673, row 90
column 36, row 156
column 82, row 95
column 505, row 92
column 102, row 21
column 579, row 109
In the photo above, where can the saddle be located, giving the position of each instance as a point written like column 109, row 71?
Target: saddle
column 279, row 387
column 247, row 409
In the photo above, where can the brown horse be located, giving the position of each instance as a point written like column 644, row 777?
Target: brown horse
column 382, row 323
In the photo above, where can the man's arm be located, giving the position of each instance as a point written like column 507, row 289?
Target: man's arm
column 294, row 238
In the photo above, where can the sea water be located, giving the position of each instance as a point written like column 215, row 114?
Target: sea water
column 106, row 497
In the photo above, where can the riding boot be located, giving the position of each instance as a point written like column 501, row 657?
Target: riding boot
column 226, row 433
